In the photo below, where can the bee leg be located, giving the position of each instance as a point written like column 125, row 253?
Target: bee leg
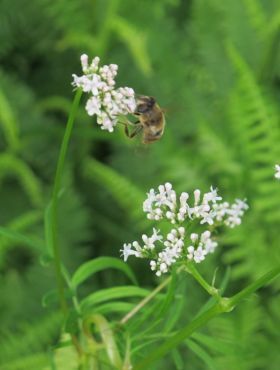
column 127, row 122
column 134, row 132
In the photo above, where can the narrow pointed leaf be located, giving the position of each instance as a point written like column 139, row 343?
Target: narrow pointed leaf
column 102, row 263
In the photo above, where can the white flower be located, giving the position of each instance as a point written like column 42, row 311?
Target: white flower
column 173, row 244
column 149, row 242
column 93, row 106
column 207, row 209
column 163, row 203
column 84, row 62
column 127, row 251
column 212, row 196
column 190, row 250
column 235, row 212
column 106, row 122
column 199, row 254
column 84, row 82
column 106, row 102
column 277, row 173
column 204, row 245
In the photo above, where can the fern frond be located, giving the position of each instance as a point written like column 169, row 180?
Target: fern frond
column 135, row 40
column 32, row 338
column 257, row 17
column 20, row 223
column 126, row 194
column 257, row 135
column 240, row 335
column 36, row 361
column 10, row 165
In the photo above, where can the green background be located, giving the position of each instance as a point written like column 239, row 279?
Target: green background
column 214, row 67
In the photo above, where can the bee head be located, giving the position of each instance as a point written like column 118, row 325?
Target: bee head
column 145, row 104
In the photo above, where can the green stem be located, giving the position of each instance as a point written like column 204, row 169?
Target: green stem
column 146, row 300
column 54, row 200
column 179, row 337
column 223, row 305
column 259, row 283
column 190, row 268
column 149, row 297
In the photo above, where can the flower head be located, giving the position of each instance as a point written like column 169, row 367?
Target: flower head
column 179, row 245
column 277, row 173
column 105, row 101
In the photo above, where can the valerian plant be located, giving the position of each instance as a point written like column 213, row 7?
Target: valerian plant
column 180, row 246
column 105, row 101
column 194, row 221
column 277, row 171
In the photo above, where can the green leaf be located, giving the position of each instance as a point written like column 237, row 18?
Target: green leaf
column 15, row 236
column 175, row 313
column 58, row 103
column 170, row 295
column 125, row 193
column 66, row 357
column 121, row 307
column 108, row 339
column 51, row 298
column 10, row 165
column 35, row 361
column 202, row 354
column 177, row 358
column 98, row 264
column 178, row 338
column 213, row 343
column 19, row 224
column 135, row 41
column 9, row 122
column 48, row 229
column 71, row 324
column 104, row 295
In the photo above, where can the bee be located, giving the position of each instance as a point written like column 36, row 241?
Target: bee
column 151, row 120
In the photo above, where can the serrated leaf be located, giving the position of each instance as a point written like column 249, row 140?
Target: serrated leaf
column 98, row 264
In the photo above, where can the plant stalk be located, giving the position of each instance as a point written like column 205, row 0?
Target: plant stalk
column 144, row 301
column 223, row 305
column 54, row 199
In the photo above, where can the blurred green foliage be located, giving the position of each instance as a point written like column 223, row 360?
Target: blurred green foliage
column 215, row 67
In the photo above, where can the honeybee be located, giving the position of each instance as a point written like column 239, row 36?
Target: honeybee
column 151, row 120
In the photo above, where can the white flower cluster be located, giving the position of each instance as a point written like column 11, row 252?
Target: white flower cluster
column 277, row 173
column 105, row 101
column 164, row 204
column 201, row 246
column 171, row 253
column 207, row 209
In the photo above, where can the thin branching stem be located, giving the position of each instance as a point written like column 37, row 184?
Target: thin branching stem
column 149, row 297
column 54, row 200
column 191, row 269
column 144, row 301
column 223, row 305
